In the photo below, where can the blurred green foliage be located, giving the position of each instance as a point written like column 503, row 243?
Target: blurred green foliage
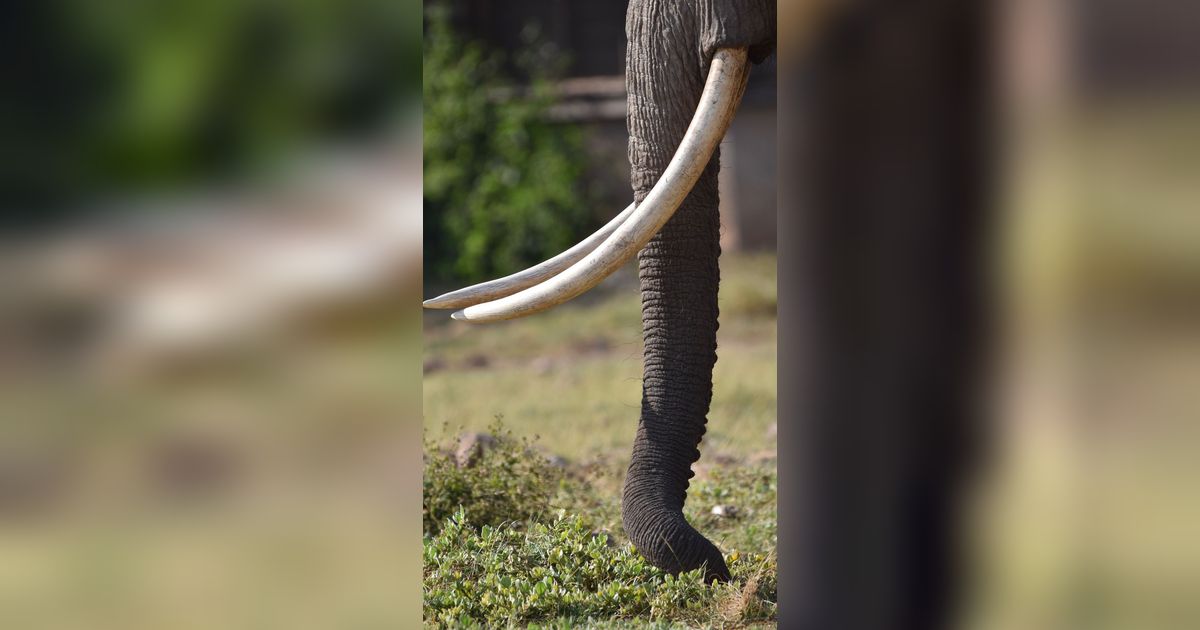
column 501, row 180
column 124, row 96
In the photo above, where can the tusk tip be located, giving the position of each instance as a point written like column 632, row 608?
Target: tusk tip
column 441, row 301
column 459, row 315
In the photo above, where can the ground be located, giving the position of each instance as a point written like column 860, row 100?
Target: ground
column 571, row 378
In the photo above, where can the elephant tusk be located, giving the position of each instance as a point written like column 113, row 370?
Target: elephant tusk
column 508, row 285
column 723, row 91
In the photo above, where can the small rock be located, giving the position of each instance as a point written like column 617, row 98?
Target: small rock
column 543, row 366
column 594, row 345
column 434, row 364
column 470, row 447
column 724, row 511
column 556, row 461
column 608, row 537
column 762, row 457
column 477, row 361
column 193, row 465
column 722, row 459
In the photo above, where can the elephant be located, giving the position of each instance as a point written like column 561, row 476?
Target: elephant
column 687, row 64
column 885, row 284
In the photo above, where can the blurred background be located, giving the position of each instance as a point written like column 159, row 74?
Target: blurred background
column 211, row 259
column 209, row 321
column 1089, row 518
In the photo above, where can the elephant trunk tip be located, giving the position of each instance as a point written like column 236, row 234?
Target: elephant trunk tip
column 670, row 543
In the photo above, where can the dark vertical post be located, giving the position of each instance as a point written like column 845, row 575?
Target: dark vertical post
column 883, row 301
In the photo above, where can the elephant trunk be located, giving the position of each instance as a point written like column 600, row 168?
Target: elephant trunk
column 679, row 275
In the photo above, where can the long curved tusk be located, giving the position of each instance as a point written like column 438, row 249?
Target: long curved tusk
column 508, row 285
column 718, row 103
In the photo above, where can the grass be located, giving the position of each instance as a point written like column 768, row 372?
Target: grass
column 509, row 481
column 562, row 572
column 552, row 553
column 274, row 491
column 576, row 370
column 566, row 383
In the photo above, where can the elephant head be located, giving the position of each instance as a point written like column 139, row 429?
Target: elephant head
column 686, row 68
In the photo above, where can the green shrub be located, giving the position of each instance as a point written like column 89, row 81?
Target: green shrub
column 508, row 482
column 500, row 179
column 561, row 573
column 512, row 541
column 503, row 575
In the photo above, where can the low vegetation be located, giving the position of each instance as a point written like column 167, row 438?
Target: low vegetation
column 506, row 481
column 515, row 540
column 561, row 572
column 528, row 543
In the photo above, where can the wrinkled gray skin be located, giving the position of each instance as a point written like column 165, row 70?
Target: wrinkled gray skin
column 670, row 46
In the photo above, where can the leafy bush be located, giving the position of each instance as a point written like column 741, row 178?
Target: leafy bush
column 512, row 541
column 508, row 482
column 500, row 180
column 559, row 572
column 502, row 575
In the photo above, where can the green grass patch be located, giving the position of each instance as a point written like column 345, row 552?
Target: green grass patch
column 562, row 573
column 528, row 544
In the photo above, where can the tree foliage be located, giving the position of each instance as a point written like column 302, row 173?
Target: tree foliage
column 125, row 96
column 501, row 185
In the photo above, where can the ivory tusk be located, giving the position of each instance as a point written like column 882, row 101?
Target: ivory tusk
column 508, row 285
column 723, row 91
